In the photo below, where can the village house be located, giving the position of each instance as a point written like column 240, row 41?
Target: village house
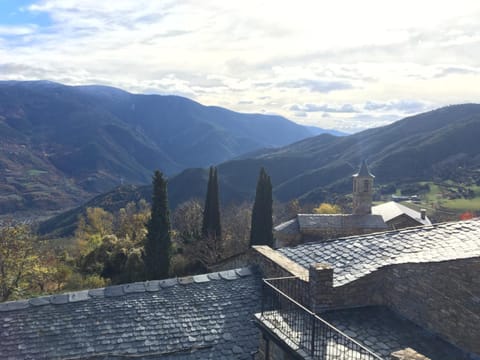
column 365, row 218
column 404, row 294
column 411, row 294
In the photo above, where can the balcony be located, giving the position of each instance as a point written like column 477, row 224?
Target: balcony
column 286, row 317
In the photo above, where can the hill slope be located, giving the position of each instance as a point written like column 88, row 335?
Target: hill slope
column 60, row 145
column 439, row 144
column 413, row 149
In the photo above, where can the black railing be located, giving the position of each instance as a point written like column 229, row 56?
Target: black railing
column 284, row 309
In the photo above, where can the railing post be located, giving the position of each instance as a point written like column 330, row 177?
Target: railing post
column 263, row 297
column 312, row 345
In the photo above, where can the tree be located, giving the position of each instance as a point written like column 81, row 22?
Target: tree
column 187, row 221
column 92, row 227
column 261, row 232
column 211, row 227
column 326, row 208
column 130, row 221
column 158, row 243
column 22, row 271
column 236, row 228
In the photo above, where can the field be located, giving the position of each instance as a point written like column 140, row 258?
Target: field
column 444, row 201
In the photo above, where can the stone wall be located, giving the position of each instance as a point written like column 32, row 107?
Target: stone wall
column 273, row 264
column 270, row 350
column 443, row 297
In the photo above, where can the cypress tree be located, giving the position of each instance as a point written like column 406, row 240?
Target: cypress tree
column 261, row 232
column 211, row 227
column 158, row 243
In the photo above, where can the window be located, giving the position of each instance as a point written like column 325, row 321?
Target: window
column 366, row 186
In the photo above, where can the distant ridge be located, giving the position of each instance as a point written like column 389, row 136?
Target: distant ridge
column 440, row 144
column 59, row 145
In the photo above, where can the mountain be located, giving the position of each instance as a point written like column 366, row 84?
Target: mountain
column 438, row 144
column 59, row 145
column 315, row 130
column 413, row 149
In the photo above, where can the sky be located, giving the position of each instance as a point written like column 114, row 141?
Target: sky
column 345, row 65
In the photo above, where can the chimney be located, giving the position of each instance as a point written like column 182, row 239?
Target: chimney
column 423, row 214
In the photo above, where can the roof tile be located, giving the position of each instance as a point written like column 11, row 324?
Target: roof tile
column 168, row 282
column 14, row 305
column 115, row 290
column 78, row 296
column 185, row 280
column 134, row 287
column 40, row 301
column 178, row 319
column 100, row 292
column 59, row 299
column 229, row 275
column 201, row 278
column 367, row 253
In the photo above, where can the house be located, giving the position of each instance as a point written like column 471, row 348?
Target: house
column 199, row 317
column 312, row 227
column 365, row 218
column 399, row 216
column 407, row 294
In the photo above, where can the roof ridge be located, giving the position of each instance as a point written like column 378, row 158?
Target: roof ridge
column 125, row 289
column 404, row 230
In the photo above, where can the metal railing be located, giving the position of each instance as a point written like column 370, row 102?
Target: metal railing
column 284, row 309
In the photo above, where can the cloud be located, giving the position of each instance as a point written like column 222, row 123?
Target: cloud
column 13, row 30
column 456, row 71
column 346, row 108
column 404, row 106
column 245, row 102
column 12, row 71
column 300, row 114
column 321, row 86
column 224, row 53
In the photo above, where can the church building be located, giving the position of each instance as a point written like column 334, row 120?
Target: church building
column 364, row 219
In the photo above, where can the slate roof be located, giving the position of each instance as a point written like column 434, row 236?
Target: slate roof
column 200, row 317
column 364, row 171
column 383, row 331
column 390, row 210
column 306, row 222
column 356, row 256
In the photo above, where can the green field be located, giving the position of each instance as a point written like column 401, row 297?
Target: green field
column 462, row 204
column 35, row 172
column 438, row 200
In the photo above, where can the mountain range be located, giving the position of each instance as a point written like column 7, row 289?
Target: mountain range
column 440, row 144
column 60, row 145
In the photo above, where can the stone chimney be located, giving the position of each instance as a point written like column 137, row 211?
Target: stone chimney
column 423, row 214
column 321, row 286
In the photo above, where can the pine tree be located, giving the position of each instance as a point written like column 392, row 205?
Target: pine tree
column 261, row 232
column 158, row 243
column 211, row 227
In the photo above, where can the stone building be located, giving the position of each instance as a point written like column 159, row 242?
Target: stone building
column 365, row 218
column 405, row 294
column 312, row 227
column 398, row 216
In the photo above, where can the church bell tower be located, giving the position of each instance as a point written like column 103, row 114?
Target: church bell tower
column 362, row 191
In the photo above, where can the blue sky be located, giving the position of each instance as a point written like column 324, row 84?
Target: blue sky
column 13, row 12
column 341, row 64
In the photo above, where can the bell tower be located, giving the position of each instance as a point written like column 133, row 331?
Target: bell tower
column 362, row 191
